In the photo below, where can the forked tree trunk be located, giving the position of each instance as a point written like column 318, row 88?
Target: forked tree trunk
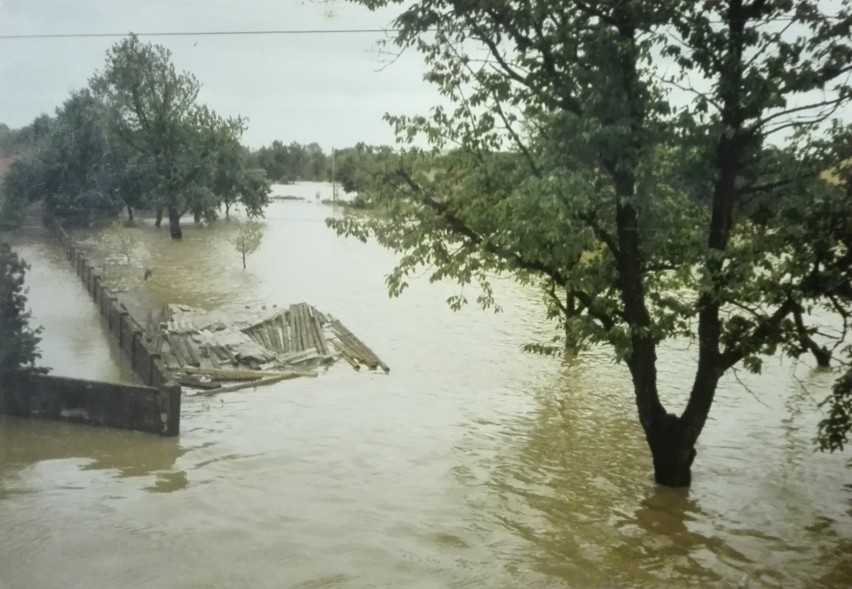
column 670, row 438
column 159, row 220
column 671, row 452
column 174, row 224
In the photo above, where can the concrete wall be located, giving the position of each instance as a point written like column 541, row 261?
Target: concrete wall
column 95, row 402
column 140, row 408
column 128, row 334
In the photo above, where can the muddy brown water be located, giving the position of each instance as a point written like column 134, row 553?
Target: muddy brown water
column 470, row 465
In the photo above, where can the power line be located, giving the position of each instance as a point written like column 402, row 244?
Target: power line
column 199, row 33
column 267, row 32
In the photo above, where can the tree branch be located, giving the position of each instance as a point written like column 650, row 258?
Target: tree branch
column 764, row 329
column 821, row 354
column 459, row 227
column 802, row 108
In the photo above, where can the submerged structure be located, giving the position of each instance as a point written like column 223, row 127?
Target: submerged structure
column 228, row 349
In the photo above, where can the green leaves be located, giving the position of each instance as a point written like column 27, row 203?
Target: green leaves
column 247, row 239
column 18, row 341
column 189, row 158
column 834, row 428
column 289, row 163
column 135, row 138
column 564, row 155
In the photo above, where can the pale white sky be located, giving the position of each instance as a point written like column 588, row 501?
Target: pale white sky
column 323, row 88
column 331, row 88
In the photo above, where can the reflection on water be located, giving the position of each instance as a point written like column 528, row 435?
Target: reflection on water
column 470, row 465
column 764, row 504
column 122, row 453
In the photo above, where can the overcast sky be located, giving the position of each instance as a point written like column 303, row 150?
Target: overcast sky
column 328, row 88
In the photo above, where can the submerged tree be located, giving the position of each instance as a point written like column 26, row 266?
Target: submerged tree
column 71, row 166
column 565, row 161
column 176, row 142
column 79, row 167
column 236, row 181
column 247, row 239
column 18, row 341
column 135, row 139
column 121, row 239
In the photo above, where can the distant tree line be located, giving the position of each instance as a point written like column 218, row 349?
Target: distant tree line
column 295, row 162
column 135, row 138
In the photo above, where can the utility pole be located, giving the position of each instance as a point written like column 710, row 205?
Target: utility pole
column 333, row 185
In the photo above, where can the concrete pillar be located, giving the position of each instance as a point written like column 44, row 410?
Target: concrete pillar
column 156, row 375
column 170, row 409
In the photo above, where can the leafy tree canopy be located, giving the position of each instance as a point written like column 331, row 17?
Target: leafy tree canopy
column 18, row 341
column 567, row 157
column 355, row 166
column 247, row 239
column 294, row 162
column 179, row 142
column 136, row 138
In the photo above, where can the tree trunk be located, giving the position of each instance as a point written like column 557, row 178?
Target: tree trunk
column 570, row 311
column 159, row 220
column 129, row 215
column 671, row 452
column 227, row 210
column 244, row 260
column 174, row 224
column 196, row 217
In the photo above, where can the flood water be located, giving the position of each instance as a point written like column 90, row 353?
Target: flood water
column 470, row 465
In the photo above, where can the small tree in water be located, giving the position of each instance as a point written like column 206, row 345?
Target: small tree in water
column 121, row 240
column 121, row 245
column 247, row 238
column 18, row 341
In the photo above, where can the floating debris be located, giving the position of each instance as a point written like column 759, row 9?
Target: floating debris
column 251, row 346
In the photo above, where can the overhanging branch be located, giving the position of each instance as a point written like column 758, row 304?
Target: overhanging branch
column 764, row 329
column 459, row 227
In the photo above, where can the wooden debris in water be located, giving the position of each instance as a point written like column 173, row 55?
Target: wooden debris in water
column 196, row 383
column 251, row 384
column 190, row 351
column 351, row 347
column 175, row 352
column 206, row 349
column 285, row 332
column 225, row 374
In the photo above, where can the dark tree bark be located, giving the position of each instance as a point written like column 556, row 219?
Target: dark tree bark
column 671, row 450
column 129, row 215
column 159, row 220
column 174, row 223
